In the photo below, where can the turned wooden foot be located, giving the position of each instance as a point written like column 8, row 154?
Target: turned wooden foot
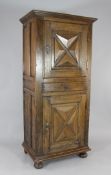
column 25, row 151
column 38, row 164
column 83, row 155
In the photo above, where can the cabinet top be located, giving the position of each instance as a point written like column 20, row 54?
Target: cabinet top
column 45, row 15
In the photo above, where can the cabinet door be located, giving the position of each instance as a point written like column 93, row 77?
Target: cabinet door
column 65, row 50
column 63, row 122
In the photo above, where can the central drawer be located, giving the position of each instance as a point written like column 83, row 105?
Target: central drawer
column 63, row 86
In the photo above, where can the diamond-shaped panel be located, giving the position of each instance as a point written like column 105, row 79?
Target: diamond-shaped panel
column 66, row 51
column 65, row 122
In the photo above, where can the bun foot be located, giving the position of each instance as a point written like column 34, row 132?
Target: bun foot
column 83, row 155
column 25, row 151
column 38, row 164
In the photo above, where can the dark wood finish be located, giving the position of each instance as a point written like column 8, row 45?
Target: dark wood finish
column 63, row 122
column 56, row 84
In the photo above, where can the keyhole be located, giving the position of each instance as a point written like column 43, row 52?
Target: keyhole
column 47, row 49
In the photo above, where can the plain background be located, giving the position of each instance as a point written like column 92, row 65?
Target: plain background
column 12, row 158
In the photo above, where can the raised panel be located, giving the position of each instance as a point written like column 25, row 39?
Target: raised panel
column 33, row 116
column 33, row 45
column 65, row 126
column 29, row 43
column 26, row 47
column 65, row 50
column 29, row 120
column 65, row 117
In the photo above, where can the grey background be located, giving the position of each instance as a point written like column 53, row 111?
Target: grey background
column 12, row 158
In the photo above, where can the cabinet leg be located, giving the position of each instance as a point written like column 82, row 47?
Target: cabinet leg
column 83, row 155
column 38, row 164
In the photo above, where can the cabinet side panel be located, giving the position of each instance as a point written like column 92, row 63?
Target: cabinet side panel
column 29, row 48
column 26, row 49
column 39, row 69
column 33, row 124
column 33, row 49
column 27, row 119
column 29, row 73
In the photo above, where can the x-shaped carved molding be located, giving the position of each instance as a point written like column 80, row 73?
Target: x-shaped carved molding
column 67, row 122
column 67, row 53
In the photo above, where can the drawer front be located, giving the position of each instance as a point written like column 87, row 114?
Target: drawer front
column 63, row 122
column 70, row 86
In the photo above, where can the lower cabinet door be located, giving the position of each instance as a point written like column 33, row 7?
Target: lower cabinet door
column 63, row 122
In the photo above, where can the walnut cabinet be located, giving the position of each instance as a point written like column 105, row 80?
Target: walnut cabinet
column 56, row 84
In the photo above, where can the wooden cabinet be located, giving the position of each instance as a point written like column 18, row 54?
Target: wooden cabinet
column 56, row 84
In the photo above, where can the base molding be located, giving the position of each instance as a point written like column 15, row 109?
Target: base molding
column 38, row 160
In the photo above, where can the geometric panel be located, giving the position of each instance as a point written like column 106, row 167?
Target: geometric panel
column 66, row 50
column 65, row 118
column 65, row 123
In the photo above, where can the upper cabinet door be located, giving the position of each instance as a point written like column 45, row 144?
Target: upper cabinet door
column 65, row 49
